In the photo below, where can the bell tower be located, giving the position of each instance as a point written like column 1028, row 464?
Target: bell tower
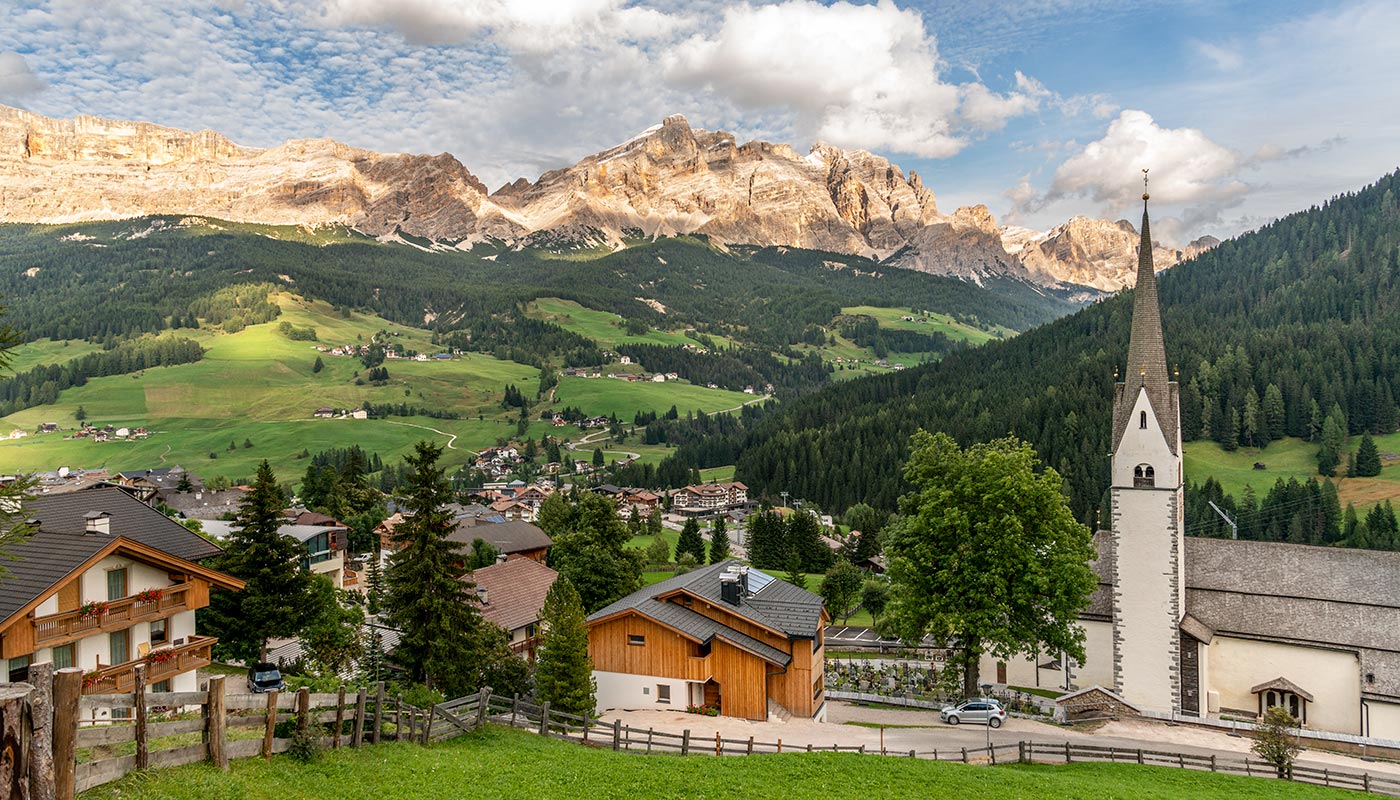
column 1149, row 587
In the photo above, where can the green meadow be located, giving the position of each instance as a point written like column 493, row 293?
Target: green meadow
column 937, row 323
column 607, row 396
column 1292, row 458
column 605, row 328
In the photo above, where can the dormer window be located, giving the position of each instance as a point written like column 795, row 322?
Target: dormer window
column 1142, row 420
column 1144, row 477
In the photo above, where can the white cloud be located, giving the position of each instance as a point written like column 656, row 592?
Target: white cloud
column 17, row 80
column 1226, row 58
column 1187, row 167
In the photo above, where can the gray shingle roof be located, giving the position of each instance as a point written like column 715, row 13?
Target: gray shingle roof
column 61, row 545
column 515, row 536
column 777, row 605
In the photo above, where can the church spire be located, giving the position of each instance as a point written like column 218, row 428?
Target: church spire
column 1147, row 356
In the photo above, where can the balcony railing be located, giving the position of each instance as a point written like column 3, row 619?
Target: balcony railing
column 70, row 626
column 161, row 663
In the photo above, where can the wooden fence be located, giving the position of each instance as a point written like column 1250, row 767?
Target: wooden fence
column 52, row 744
column 42, row 735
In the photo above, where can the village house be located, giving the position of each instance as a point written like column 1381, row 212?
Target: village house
column 323, row 545
column 725, row 636
column 511, row 593
column 107, row 583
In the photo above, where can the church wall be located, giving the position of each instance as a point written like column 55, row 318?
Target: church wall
column 1097, row 668
column 1332, row 677
column 1385, row 719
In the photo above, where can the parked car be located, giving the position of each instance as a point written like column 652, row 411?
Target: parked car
column 265, row 678
column 986, row 711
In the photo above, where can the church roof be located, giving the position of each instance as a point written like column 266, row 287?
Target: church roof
column 1282, row 684
column 1147, row 354
column 1329, row 597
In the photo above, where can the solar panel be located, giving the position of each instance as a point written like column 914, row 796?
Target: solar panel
column 758, row 580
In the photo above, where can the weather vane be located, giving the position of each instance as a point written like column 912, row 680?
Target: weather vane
column 1144, row 185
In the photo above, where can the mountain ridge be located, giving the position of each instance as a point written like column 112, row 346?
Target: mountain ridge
column 670, row 179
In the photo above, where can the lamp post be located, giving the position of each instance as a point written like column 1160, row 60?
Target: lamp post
column 987, row 695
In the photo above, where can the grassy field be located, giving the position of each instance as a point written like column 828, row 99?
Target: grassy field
column 1293, row 458
column 503, row 763
column 604, row 397
column 937, row 323
column 46, row 351
column 717, row 474
column 603, row 327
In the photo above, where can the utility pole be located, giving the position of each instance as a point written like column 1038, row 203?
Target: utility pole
column 1234, row 526
column 785, row 496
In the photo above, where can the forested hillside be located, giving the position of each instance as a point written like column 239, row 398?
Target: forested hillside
column 1272, row 332
column 111, row 280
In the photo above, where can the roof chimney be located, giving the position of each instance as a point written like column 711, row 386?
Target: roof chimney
column 481, row 595
column 730, row 591
column 98, row 522
column 501, row 558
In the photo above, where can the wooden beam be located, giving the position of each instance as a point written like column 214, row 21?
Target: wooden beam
column 67, row 688
column 41, row 745
column 143, row 758
column 269, row 724
column 216, row 732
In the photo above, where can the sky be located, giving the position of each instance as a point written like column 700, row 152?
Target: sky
column 1040, row 109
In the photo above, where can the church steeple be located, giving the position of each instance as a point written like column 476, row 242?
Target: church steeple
column 1147, row 355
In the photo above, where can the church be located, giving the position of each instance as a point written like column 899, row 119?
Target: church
column 1184, row 627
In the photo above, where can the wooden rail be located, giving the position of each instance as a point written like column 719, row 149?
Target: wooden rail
column 70, row 626
column 121, row 678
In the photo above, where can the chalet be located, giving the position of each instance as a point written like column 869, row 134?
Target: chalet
column 726, row 636
column 107, row 583
column 203, row 504
column 640, row 499
column 511, row 593
column 18, row 433
column 48, row 427
column 710, row 497
column 324, row 412
column 323, row 545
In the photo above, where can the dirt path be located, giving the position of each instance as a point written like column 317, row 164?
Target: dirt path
column 451, row 437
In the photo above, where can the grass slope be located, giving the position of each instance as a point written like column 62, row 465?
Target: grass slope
column 502, row 763
column 937, row 323
column 606, row 396
column 1293, row 458
column 601, row 326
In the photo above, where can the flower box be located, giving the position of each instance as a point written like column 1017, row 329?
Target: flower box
column 159, row 656
column 92, row 610
column 149, row 596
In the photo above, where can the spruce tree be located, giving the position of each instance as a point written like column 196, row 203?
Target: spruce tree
column 318, row 365
column 691, row 542
column 277, row 591
column 795, row 575
column 442, row 637
column 1367, row 461
column 766, row 540
column 719, row 541
column 564, row 672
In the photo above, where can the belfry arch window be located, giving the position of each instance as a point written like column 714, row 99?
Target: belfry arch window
column 1142, row 420
column 1144, row 476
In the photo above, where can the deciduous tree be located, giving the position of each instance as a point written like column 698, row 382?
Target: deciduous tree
column 840, row 588
column 988, row 554
column 590, row 548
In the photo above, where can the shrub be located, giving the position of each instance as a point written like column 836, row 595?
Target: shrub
column 306, row 744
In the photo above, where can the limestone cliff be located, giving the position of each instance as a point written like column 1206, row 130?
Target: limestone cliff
column 1092, row 252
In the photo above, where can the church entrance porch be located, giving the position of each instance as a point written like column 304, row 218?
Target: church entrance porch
column 1285, row 694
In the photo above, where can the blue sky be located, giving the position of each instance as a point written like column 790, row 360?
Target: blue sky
column 1041, row 109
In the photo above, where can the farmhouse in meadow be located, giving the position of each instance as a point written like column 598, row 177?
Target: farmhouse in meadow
column 107, row 583
column 725, row 636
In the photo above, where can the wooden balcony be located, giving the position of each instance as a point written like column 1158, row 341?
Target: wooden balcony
column 69, row 626
column 195, row 653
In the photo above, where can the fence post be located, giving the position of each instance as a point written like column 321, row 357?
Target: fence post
column 912, row 755
column 216, row 724
column 303, row 706
column 67, row 687
column 269, row 724
column 1366, row 782
column 544, row 721
column 15, row 736
column 514, row 709
column 483, row 701
column 398, row 718
column 41, row 741
column 718, row 747
column 685, row 743
column 378, row 712
column 339, row 717
column 358, row 737
column 617, row 734
column 780, row 745
column 992, row 751
column 1067, row 755
column 1181, row 760
column 428, row 724
column 650, row 730
column 585, row 727
column 964, row 751
column 809, row 747
column 143, row 758
column 1212, row 762
column 750, row 750
column 1139, row 754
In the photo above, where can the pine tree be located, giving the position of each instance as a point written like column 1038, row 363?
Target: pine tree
column 766, row 540
column 1334, row 437
column 795, row 575
column 318, row 365
column 277, row 592
column 1275, row 414
column 1367, row 461
column 719, row 541
column 598, row 457
column 564, row 672
column 442, row 638
column 691, row 542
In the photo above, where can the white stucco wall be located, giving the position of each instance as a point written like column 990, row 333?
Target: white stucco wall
column 1332, row 677
column 1097, row 669
column 621, row 690
column 1385, row 719
column 1149, row 586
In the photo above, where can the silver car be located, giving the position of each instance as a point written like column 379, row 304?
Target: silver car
column 989, row 712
